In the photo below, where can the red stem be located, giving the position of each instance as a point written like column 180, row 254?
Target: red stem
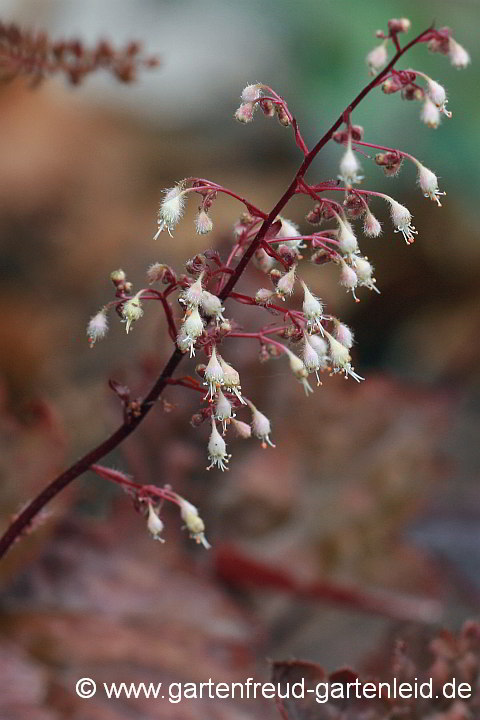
column 23, row 520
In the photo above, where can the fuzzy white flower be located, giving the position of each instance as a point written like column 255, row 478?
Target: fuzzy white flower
column 287, row 230
column 214, row 375
column 260, row 426
column 97, row 327
column 377, row 58
column 154, row 524
column 251, row 93
column 223, row 409
column 340, row 357
column 371, row 226
column 212, row 306
column 203, row 223
column 191, row 329
column 348, row 278
column 286, row 284
column 402, row 219
column 171, row 209
column 193, row 522
column 231, row 379
column 132, row 311
column 350, row 168
column 321, row 348
column 430, row 114
column 428, row 182
column 311, row 358
column 364, row 271
column 244, row 113
column 193, row 294
column 459, row 57
column 263, row 296
column 343, row 334
column 217, row 450
column 347, row 242
column 312, row 309
column 438, row 96
column 299, row 370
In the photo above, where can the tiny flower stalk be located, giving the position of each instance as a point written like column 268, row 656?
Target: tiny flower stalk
column 132, row 311
column 260, row 426
column 217, row 450
column 154, row 525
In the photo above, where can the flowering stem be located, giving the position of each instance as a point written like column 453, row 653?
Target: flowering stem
column 23, row 520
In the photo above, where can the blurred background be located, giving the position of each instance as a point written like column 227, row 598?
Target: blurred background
column 372, row 486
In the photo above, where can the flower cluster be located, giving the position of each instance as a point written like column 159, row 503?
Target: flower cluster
column 303, row 331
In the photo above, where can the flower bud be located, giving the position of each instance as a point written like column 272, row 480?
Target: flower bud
column 118, row 277
column 459, row 57
column 402, row 25
column 193, row 522
column 251, row 93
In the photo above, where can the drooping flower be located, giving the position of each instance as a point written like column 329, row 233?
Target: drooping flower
column 340, row 357
column 430, row 114
column 97, row 327
column 193, row 522
column 203, row 223
column 286, row 284
column 212, row 306
column 299, row 370
column 223, row 409
column 402, row 219
column 132, row 311
column 459, row 57
column 192, row 295
column 242, row 429
column 190, row 331
column 343, row 334
column 214, row 376
column 364, row 271
column 437, row 95
column 251, row 93
column 260, row 426
column 217, row 449
column 312, row 309
column 311, row 358
column 154, row 524
column 347, row 242
column 231, row 379
column 428, row 182
column 377, row 58
column 171, row 208
column 350, row 168
column 371, row 226
column 348, row 278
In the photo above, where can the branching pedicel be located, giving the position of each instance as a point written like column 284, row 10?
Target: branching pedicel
column 310, row 339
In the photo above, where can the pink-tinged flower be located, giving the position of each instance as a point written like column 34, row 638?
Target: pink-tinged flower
column 263, row 261
column 260, row 426
column 251, row 93
column 459, row 57
column 348, row 278
column 371, row 226
column 289, row 229
column 154, row 524
column 320, row 346
column 97, row 327
column 377, row 58
column 343, row 334
column 430, row 114
column 203, row 223
column 244, row 113
column 217, row 450
column 242, row 429
column 264, row 296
